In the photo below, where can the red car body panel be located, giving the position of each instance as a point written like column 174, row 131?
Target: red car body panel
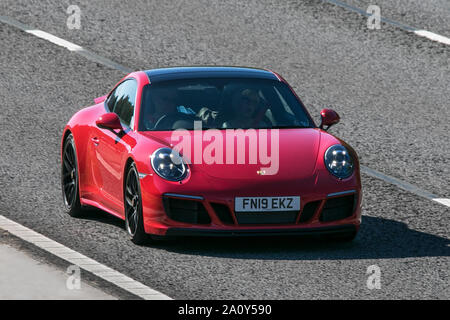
column 103, row 157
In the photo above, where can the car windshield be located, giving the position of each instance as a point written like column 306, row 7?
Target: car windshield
column 221, row 104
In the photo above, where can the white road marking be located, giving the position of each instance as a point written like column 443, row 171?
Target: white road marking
column 405, row 186
column 397, row 182
column 53, row 39
column 444, row 201
column 422, row 33
column 75, row 258
column 433, row 36
column 65, row 44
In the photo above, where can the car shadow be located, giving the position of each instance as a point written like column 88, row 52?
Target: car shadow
column 378, row 238
column 94, row 214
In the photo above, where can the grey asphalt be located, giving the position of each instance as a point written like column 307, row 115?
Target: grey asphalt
column 390, row 87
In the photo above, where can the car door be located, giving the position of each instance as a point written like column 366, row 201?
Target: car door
column 112, row 146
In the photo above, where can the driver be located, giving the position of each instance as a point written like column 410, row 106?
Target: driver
column 163, row 103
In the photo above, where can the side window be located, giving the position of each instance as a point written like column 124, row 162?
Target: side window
column 111, row 101
column 122, row 99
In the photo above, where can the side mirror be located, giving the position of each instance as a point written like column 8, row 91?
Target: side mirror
column 109, row 121
column 329, row 118
column 100, row 99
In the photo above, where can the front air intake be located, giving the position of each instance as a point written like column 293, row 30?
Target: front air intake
column 189, row 211
column 223, row 213
column 308, row 211
column 338, row 208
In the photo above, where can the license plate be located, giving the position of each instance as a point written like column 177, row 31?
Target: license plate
column 266, row 204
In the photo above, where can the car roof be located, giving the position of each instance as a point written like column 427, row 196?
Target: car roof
column 176, row 73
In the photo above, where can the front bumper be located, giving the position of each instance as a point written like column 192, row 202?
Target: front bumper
column 207, row 209
column 316, row 216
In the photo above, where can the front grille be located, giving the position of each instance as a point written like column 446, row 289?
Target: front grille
column 188, row 211
column 280, row 217
column 338, row 208
column 223, row 213
column 308, row 211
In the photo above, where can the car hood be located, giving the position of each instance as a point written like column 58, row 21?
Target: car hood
column 297, row 150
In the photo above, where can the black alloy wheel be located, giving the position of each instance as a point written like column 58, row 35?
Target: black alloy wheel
column 133, row 207
column 69, row 178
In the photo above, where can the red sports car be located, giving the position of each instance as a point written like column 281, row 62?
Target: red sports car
column 213, row 151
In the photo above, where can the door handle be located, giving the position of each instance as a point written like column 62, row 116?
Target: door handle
column 96, row 141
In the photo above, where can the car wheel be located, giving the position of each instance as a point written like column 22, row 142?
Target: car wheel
column 69, row 179
column 133, row 207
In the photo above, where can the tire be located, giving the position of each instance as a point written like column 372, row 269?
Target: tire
column 134, row 220
column 69, row 179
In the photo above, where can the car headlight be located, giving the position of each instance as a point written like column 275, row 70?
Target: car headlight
column 339, row 161
column 168, row 164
